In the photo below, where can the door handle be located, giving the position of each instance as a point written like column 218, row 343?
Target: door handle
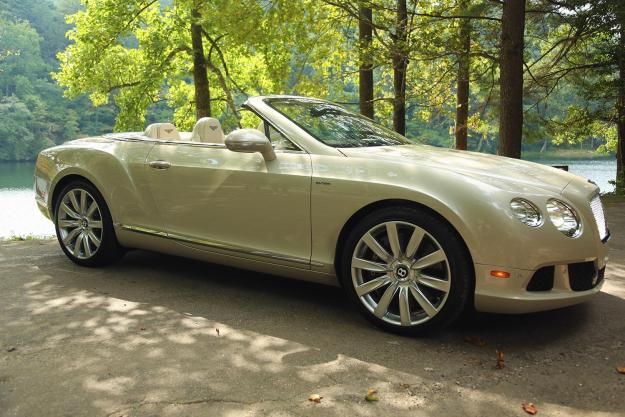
column 160, row 165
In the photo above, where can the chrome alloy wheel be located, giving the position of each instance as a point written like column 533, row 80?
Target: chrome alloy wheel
column 400, row 273
column 80, row 223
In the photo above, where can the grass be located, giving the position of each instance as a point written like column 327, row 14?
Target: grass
column 23, row 238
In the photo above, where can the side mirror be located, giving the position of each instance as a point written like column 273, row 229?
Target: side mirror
column 250, row 140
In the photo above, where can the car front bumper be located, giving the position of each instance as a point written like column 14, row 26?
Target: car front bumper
column 549, row 286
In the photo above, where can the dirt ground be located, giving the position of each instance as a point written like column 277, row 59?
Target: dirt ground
column 161, row 336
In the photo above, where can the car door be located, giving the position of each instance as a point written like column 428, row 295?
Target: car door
column 214, row 199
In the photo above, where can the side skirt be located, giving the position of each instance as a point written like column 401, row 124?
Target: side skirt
column 215, row 252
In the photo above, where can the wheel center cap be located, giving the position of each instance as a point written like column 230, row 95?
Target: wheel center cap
column 402, row 272
column 84, row 223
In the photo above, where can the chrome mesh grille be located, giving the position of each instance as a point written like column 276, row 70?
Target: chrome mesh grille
column 597, row 211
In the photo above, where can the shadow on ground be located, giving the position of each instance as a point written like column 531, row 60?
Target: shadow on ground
column 158, row 335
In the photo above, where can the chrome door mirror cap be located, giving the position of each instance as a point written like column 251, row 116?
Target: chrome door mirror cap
column 250, row 140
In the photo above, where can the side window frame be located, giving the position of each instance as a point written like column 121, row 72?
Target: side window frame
column 267, row 125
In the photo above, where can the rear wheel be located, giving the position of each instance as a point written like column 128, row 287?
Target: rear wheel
column 84, row 227
column 406, row 270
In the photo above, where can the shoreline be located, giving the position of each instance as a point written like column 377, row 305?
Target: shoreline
column 567, row 155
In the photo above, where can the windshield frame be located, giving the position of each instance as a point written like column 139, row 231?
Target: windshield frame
column 391, row 134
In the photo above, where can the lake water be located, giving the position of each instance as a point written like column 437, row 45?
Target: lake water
column 19, row 215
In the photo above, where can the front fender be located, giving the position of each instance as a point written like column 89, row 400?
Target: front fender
column 478, row 210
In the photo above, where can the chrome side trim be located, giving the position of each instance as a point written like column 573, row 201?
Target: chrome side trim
column 138, row 137
column 218, row 245
column 144, row 230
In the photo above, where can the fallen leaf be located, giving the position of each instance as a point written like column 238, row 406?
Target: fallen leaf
column 500, row 360
column 620, row 369
column 404, row 385
column 372, row 395
column 316, row 398
column 475, row 341
column 142, row 329
column 217, row 330
column 529, row 408
column 11, row 349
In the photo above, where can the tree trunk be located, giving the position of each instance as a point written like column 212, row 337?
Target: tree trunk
column 365, row 33
column 200, row 76
column 620, row 155
column 462, row 92
column 400, row 64
column 620, row 107
column 226, row 89
column 511, row 78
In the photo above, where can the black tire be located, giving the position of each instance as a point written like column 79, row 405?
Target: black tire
column 109, row 250
column 459, row 270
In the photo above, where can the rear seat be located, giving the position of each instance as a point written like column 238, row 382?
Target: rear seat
column 162, row 131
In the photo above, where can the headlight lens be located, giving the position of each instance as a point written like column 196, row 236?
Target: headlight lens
column 564, row 217
column 526, row 212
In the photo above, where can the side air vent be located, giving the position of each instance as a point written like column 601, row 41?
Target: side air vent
column 583, row 276
column 542, row 280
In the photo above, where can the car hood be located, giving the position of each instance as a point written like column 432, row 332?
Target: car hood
column 496, row 170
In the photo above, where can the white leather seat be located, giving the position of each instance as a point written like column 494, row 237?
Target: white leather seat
column 207, row 130
column 162, row 131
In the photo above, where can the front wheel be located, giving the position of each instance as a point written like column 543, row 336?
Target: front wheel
column 406, row 270
column 84, row 226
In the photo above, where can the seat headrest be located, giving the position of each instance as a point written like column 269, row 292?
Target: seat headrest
column 207, row 130
column 163, row 131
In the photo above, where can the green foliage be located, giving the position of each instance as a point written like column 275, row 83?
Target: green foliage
column 139, row 52
column 19, row 141
column 33, row 112
column 120, row 64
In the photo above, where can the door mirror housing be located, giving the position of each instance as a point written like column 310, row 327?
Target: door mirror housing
column 250, row 140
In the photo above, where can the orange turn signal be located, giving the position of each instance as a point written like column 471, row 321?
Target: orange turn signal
column 500, row 274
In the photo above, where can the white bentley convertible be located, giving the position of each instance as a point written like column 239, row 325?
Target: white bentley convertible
column 413, row 233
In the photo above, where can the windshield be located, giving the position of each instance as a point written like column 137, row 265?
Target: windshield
column 335, row 126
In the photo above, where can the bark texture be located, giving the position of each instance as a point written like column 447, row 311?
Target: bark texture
column 365, row 34
column 462, row 91
column 400, row 64
column 511, row 78
column 620, row 107
column 200, row 75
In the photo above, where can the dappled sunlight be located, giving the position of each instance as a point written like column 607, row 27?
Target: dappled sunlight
column 615, row 285
column 158, row 335
column 111, row 386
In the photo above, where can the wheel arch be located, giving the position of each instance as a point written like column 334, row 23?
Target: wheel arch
column 68, row 178
column 377, row 205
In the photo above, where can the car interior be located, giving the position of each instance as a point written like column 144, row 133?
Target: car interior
column 209, row 130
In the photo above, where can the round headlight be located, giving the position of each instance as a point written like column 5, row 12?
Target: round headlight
column 526, row 212
column 564, row 217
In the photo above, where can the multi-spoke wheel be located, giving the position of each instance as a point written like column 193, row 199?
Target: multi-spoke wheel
column 84, row 227
column 406, row 269
column 80, row 223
